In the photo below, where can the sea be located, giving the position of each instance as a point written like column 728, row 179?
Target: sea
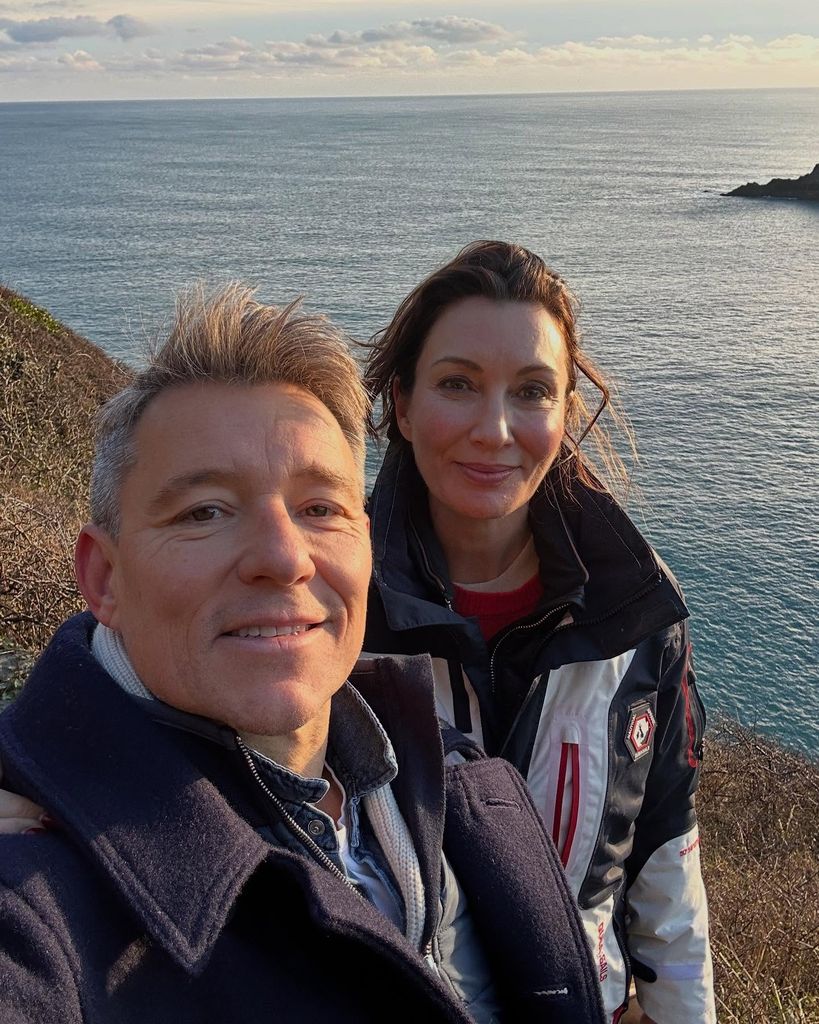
column 703, row 309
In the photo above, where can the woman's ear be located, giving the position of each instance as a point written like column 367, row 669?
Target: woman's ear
column 401, row 401
column 95, row 558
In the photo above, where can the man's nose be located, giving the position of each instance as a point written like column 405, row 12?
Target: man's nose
column 492, row 427
column 275, row 549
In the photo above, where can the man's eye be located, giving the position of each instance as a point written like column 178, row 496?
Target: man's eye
column 204, row 513
column 319, row 511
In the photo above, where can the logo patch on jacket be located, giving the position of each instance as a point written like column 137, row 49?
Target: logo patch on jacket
column 640, row 730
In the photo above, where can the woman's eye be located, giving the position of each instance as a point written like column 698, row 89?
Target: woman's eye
column 454, row 384
column 535, row 393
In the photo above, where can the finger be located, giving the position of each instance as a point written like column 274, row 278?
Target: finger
column 14, row 806
column 14, row 826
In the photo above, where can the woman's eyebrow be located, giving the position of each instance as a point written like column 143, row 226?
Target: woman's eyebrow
column 469, row 364
column 542, row 368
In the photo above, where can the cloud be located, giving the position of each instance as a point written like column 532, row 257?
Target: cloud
column 449, row 30
column 79, row 61
column 279, row 59
column 50, row 30
column 128, row 27
column 638, row 42
column 446, row 51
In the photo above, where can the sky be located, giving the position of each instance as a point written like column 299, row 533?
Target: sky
column 147, row 49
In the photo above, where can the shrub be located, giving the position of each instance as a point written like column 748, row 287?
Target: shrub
column 51, row 385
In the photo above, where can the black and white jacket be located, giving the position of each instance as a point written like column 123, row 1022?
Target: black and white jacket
column 593, row 698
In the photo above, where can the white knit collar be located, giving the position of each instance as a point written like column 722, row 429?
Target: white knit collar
column 109, row 650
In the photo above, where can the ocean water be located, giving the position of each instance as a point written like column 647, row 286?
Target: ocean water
column 704, row 309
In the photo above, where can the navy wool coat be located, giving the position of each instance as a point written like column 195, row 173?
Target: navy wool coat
column 157, row 902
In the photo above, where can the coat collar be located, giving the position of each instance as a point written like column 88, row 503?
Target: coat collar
column 125, row 808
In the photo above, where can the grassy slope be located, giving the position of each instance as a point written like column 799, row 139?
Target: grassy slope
column 51, row 384
column 758, row 804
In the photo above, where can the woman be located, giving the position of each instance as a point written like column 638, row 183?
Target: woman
column 557, row 635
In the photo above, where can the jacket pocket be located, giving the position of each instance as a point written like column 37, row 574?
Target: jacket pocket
column 567, row 795
column 694, row 712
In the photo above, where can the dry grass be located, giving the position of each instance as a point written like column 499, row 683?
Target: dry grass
column 759, row 810
column 758, row 804
column 51, row 384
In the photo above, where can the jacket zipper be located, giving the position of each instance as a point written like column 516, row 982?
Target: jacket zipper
column 296, row 830
column 569, row 625
column 522, row 629
column 292, row 825
column 447, row 597
column 532, row 625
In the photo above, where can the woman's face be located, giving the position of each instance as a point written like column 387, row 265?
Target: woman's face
column 485, row 416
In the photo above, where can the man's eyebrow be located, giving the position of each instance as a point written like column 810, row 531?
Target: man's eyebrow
column 322, row 474
column 313, row 471
column 469, row 364
column 183, row 482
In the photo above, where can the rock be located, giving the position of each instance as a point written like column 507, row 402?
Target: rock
column 806, row 187
column 15, row 666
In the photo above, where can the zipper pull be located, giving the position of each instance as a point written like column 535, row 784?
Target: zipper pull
column 429, row 960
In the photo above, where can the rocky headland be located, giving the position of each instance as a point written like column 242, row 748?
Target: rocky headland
column 804, row 187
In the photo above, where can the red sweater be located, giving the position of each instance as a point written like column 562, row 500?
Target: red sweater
column 494, row 611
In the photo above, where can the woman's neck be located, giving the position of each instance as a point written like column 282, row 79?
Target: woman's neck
column 477, row 550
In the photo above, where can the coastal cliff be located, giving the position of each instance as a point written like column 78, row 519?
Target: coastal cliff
column 804, row 187
column 758, row 803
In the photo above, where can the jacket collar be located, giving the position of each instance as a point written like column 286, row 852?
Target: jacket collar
column 127, row 810
column 593, row 557
column 359, row 749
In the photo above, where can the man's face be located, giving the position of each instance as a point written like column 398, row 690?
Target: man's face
column 239, row 578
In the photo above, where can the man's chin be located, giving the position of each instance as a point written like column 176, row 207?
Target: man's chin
column 284, row 716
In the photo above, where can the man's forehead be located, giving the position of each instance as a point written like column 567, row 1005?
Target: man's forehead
column 201, row 430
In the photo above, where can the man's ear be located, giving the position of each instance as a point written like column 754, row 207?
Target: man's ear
column 400, row 399
column 95, row 556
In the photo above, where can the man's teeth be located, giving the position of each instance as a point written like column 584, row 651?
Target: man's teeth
column 269, row 630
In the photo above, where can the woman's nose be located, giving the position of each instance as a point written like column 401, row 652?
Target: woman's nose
column 492, row 427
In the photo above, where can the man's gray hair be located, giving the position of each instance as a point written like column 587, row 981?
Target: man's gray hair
column 229, row 337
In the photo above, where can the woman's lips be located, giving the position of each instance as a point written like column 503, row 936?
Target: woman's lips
column 487, row 474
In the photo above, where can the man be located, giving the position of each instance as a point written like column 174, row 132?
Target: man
column 245, row 835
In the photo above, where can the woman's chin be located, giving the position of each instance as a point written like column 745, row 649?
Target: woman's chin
column 474, row 508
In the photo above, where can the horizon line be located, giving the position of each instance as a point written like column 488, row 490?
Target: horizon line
column 419, row 95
